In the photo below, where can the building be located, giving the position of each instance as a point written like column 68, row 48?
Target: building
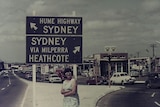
column 1, row 65
column 140, row 64
column 117, row 61
column 156, row 64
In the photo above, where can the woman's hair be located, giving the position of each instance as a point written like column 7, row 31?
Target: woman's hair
column 68, row 70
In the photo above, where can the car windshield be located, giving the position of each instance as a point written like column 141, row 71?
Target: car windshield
column 123, row 74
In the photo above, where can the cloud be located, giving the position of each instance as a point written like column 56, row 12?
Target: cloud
column 122, row 23
column 100, row 24
column 151, row 5
column 37, row 6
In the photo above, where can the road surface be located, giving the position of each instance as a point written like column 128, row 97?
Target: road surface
column 132, row 96
column 11, row 91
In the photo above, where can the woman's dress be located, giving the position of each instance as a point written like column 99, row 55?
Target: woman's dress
column 72, row 100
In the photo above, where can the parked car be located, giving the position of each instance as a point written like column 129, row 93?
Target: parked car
column 46, row 77
column 5, row 75
column 28, row 75
column 122, row 78
column 92, row 80
column 54, row 78
column 153, row 80
column 134, row 73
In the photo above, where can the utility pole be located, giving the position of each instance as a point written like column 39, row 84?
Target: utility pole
column 109, row 49
column 153, row 46
column 138, row 54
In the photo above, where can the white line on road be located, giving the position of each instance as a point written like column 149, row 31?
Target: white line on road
column 157, row 103
column 25, row 95
column 3, row 88
column 9, row 81
column 153, row 94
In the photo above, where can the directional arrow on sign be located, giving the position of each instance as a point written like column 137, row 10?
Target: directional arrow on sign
column 33, row 26
column 76, row 49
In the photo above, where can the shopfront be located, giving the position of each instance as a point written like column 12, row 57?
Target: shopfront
column 118, row 63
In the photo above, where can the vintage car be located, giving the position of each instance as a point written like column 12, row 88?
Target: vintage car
column 122, row 78
column 153, row 80
column 54, row 78
column 99, row 80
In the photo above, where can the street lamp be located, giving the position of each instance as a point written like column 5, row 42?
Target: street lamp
column 109, row 50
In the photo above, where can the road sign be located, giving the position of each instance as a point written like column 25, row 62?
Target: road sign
column 53, row 49
column 53, row 39
column 54, row 25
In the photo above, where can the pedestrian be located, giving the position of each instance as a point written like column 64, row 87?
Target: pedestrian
column 69, row 90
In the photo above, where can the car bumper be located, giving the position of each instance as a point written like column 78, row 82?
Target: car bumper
column 130, row 81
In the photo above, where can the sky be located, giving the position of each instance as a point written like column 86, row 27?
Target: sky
column 129, row 25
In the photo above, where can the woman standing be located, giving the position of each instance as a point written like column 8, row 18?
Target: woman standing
column 69, row 90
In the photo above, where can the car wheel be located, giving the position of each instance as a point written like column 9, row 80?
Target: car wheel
column 148, row 85
column 122, row 82
column 88, row 83
column 111, row 82
column 50, row 81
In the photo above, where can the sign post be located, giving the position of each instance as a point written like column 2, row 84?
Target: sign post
column 34, row 84
column 34, row 78
column 74, row 65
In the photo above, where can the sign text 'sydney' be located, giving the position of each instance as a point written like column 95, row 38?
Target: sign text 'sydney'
column 53, row 49
column 54, row 25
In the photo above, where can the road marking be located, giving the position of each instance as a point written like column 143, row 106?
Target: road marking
column 9, row 81
column 3, row 88
column 157, row 103
column 24, row 98
column 153, row 94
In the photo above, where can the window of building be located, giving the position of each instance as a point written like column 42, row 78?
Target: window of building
column 125, row 67
column 119, row 67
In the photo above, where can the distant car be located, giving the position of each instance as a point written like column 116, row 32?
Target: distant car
column 5, row 71
column 92, row 80
column 5, row 75
column 54, row 78
column 153, row 80
column 46, row 77
column 121, row 78
column 28, row 75
column 134, row 73
column 85, row 73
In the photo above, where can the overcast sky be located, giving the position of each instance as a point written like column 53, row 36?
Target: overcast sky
column 130, row 25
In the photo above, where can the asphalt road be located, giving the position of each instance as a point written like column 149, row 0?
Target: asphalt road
column 132, row 96
column 11, row 91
